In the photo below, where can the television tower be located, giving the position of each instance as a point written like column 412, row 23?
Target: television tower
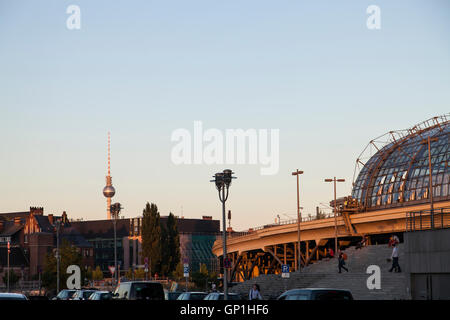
column 108, row 190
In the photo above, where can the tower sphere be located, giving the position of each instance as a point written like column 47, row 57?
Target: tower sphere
column 109, row 191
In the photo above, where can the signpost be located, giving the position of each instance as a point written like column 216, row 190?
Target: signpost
column 112, row 269
column 285, row 274
column 186, row 273
column 285, row 271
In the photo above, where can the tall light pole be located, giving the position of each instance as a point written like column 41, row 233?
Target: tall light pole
column 428, row 141
column 58, row 225
column 335, row 211
column 297, row 173
column 223, row 182
column 9, row 252
column 115, row 210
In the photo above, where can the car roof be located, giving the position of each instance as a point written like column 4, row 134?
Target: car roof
column 102, row 291
column 196, row 292
column 317, row 289
column 11, row 295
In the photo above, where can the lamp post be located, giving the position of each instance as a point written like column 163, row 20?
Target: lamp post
column 335, row 211
column 115, row 210
column 430, row 184
column 9, row 252
column 223, row 182
column 297, row 173
column 58, row 225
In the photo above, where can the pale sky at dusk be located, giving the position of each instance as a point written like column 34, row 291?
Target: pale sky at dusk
column 142, row 69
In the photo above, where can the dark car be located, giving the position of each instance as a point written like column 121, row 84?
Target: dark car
column 220, row 296
column 101, row 295
column 172, row 295
column 139, row 290
column 316, row 294
column 192, row 296
column 83, row 294
column 65, row 294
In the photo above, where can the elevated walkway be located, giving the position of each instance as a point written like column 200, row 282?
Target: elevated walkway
column 324, row 274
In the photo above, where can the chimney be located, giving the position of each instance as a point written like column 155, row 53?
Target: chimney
column 207, row 217
column 50, row 219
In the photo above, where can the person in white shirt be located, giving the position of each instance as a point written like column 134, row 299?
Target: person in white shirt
column 254, row 293
column 394, row 257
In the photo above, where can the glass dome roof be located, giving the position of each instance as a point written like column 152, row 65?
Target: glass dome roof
column 398, row 174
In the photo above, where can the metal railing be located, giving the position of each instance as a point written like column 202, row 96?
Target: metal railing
column 280, row 223
column 428, row 219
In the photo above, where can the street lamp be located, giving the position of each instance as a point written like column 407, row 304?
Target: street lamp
column 115, row 210
column 223, row 182
column 430, row 183
column 58, row 257
column 297, row 173
column 335, row 210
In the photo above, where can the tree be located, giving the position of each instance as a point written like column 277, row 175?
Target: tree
column 13, row 278
column 97, row 274
column 69, row 255
column 178, row 273
column 151, row 237
column 139, row 274
column 201, row 277
column 173, row 241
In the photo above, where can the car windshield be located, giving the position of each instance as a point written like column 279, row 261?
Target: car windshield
column 297, row 296
column 87, row 294
column 197, row 296
column 147, row 290
column 65, row 294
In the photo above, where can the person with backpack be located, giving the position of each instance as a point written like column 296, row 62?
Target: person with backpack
column 254, row 293
column 341, row 261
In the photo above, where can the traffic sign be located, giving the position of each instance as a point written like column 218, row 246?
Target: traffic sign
column 285, row 271
column 227, row 263
column 146, row 267
column 112, row 269
column 186, row 270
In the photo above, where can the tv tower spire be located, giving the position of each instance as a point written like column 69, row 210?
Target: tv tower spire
column 108, row 190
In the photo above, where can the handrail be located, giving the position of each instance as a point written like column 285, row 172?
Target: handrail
column 427, row 219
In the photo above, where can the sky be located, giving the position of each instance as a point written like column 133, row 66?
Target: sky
column 143, row 69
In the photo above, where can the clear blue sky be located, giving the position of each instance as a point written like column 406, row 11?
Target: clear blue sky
column 142, row 69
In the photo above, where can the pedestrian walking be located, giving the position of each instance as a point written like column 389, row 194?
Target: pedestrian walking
column 394, row 257
column 341, row 261
column 254, row 293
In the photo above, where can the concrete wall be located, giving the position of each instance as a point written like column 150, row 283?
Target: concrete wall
column 427, row 262
column 427, row 251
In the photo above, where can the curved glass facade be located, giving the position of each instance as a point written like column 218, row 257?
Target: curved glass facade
column 399, row 172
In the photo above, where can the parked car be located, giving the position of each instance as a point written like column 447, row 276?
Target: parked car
column 83, row 294
column 12, row 296
column 316, row 294
column 192, row 296
column 65, row 294
column 139, row 290
column 171, row 295
column 101, row 295
column 220, row 296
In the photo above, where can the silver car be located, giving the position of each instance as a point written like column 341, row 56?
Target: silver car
column 12, row 296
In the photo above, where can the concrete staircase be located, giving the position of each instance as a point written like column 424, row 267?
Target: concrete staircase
column 324, row 274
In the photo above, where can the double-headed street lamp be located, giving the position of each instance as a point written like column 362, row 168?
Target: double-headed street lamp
column 297, row 173
column 335, row 211
column 223, row 182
